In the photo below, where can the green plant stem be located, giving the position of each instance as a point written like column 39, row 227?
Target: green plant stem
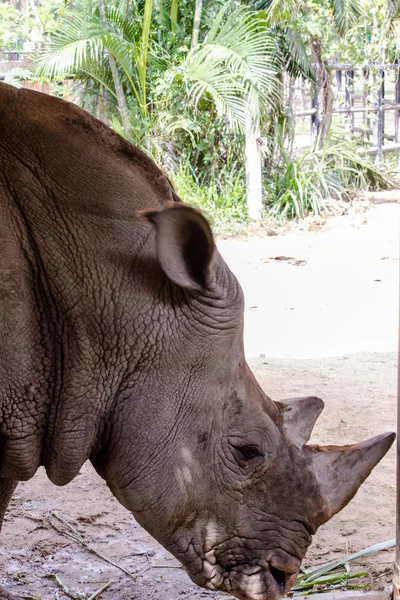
column 142, row 67
column 339, row 576
column 174, row 14
column 312, row 574
column 196, row 23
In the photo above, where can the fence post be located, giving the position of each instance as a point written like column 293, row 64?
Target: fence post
column 339, row 79
column 397, row 112
column 349, row 97
column 396, row 574
column 366, row 119
column 379, row 117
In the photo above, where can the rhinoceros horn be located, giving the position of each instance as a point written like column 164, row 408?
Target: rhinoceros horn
column 340, row 470
column 298, row 418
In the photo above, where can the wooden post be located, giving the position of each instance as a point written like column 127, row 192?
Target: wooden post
column 291, row 103
column 379, row 118
column 303, row 95
column 397, row 112
column 349, row 97
column 383, row 103
column 366, row 123
column 396, row 574
column 339, row 80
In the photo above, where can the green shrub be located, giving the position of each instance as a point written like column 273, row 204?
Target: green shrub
column 300, row 186
column 222, row 198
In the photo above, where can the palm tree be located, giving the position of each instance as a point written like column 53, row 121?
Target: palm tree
column 301, row 43
column 92, row 41
column 235, row 66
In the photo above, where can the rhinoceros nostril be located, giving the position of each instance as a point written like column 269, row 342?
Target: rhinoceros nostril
column 279, row 576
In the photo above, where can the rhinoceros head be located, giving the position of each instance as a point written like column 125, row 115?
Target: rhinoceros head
column 221, row 475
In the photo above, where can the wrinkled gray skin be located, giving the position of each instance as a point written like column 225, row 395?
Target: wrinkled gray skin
column 122, row 343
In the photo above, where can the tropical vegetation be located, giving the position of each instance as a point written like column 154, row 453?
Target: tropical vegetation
column 204, row 87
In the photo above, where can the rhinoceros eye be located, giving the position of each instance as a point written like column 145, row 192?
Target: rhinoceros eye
column 248, row 452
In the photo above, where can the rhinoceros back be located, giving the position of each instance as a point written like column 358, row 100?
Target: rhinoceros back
column 71, row 244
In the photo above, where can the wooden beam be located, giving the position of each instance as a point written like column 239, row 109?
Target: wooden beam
column 374, row 149
column 351, row 595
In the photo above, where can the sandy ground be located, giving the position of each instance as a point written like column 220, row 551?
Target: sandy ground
column 321, row 318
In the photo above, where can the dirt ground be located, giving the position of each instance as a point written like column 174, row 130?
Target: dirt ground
column 321, row 319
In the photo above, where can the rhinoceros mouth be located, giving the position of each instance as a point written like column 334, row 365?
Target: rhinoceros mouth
column 245, row 581
column 220, row 565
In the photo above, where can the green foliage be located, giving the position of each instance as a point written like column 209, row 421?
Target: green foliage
column 369, row 39
column 355, row 170
column 17, row 76
column 81, row 45
column 300, row 186
column 236, row 66
column 335, row 574
column 222, row 197
column 19, row 28
column 189, row 108
column 346, row 14
column 9, row 27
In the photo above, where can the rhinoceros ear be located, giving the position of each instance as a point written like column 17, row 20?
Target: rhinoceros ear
column 185, row 244
column 341, row 470
column 298, row 418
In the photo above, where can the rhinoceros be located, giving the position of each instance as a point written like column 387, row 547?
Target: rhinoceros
column 122, row 343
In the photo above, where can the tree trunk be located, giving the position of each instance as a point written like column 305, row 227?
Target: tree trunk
column 379, row 117
column 123, row 109
column 196, row 23
column 291, row 121
column 327, row 108
column 323, row 87
column 253, row 169
column 101, row 109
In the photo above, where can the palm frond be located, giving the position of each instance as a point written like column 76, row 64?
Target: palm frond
column 237, row 64
column 263, row 4
column 295, row 54
column 216, row 25
column 99, row 72
column 78, row 42
column 17, row 76
column 128, row 28
column 280, row 11
column 171, row 126
column 125, row 54
column 346, row 13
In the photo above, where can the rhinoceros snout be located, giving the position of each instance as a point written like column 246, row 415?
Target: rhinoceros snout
column 268, row 583
column 247, row 582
